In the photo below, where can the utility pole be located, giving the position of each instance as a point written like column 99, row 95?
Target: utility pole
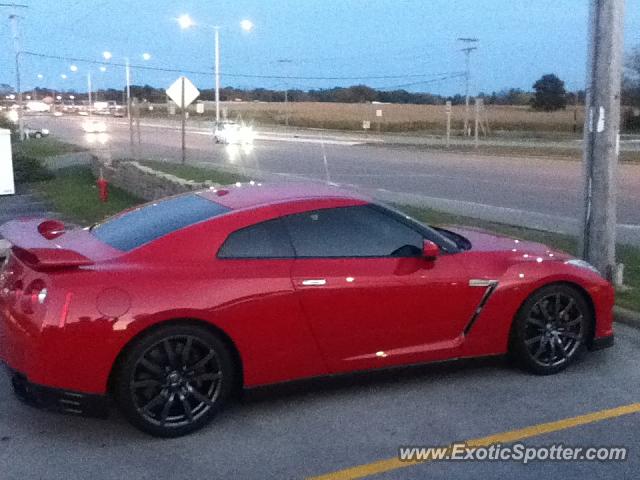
column 467, row 74
column 16, row 42
column 89, row 94
column 217, row 71
column 601, row 134
column 127, row 74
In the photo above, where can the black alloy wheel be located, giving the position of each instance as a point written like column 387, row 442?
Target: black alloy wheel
column 174, row 380
column 551, row 329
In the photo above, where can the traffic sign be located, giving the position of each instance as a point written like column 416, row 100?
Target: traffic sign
column 177, row 95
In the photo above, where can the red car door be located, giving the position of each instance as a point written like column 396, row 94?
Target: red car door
column 372, row 300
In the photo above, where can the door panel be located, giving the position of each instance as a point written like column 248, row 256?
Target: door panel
column 373, row 312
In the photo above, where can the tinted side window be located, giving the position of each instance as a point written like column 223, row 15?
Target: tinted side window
column 263, row 240
column 351, row 232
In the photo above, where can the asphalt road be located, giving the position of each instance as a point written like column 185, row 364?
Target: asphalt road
column 317, row 429
column 544, row 190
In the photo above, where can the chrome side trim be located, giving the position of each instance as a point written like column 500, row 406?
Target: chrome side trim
column 313, row 282
column 491, row 286
column 481, row 282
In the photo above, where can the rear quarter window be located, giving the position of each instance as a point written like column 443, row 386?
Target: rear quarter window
column 154, row 220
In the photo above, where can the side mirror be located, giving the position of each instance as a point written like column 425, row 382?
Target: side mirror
column 430, row 250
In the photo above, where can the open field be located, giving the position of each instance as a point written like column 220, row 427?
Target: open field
column 395, row 117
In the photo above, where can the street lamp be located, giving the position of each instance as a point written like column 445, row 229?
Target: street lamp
column 185, row 22
column 107, row 55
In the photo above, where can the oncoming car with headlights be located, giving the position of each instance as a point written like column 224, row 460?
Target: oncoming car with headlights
column 232, row 133
column 172, row 306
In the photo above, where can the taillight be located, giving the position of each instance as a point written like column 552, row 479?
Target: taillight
column 35, row 294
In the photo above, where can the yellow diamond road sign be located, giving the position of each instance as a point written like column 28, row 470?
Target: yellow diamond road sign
column 190, row 92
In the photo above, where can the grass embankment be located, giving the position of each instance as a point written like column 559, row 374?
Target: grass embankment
column 41, row 148
column 197, row 174
column 74, row 194
column 560, row 153
column 627, row 297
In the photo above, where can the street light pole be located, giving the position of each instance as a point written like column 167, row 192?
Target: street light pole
column 89, row 89
column 16, row 39
column 128, row 83
column 217, row 72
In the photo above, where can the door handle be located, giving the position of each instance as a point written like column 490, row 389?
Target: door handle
column 314, row 282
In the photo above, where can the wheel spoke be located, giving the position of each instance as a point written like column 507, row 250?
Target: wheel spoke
column 157, row 400
column 573, row 322
column 533, row 340
column 203, row 377
column 563, row 352
column 541, row 348
column 566, row 309
column 552, row 356
column 535, row 321
column 557, row 306
column 148, row 382
column 545, row 312
column 198, row 396
column 166, row 408
column 202, row 362
column 171, row 356
column 152, row 367
column 186, row 349
column 570, row 335
column 187, row 407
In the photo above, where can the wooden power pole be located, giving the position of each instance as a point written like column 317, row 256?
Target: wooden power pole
column 601, row 134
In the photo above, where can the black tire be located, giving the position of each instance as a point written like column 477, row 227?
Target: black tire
column 173, row 380
column 551, row 329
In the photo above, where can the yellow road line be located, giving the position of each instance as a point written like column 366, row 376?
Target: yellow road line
column 394, row 463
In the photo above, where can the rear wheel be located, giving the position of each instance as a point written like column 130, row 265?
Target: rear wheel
column 551, row 329
column 174, row 380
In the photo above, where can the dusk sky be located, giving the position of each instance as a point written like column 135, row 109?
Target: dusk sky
column 411, row 41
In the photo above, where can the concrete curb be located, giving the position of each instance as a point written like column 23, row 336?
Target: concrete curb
column 626, row 316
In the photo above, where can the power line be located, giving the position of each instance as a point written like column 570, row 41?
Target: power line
column 239, row 75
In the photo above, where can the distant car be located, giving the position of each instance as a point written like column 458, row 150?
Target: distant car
column 233, row 133
column 172, row 306
column 36, row 132
column 93, row 125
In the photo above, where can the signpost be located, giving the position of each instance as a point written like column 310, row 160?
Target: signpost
column 183, row 93
column 7, row 186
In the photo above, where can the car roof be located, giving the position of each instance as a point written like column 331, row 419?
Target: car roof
column 253, row 194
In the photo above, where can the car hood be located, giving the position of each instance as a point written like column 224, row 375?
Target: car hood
column 484, row 241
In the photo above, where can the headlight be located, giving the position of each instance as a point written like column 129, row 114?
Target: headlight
column 576, row 262
column 45, row 131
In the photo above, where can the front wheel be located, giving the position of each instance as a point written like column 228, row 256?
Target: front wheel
column 551, row 329
column 173, row 380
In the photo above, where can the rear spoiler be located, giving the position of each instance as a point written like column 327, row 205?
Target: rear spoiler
column 33, row 242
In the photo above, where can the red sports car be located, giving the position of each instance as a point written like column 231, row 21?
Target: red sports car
column 170, row 306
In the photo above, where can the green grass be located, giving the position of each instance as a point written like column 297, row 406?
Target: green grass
column 41, row 148
column 628, row 297
column 562, row 153
column 197, row 174
column 74, row 195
